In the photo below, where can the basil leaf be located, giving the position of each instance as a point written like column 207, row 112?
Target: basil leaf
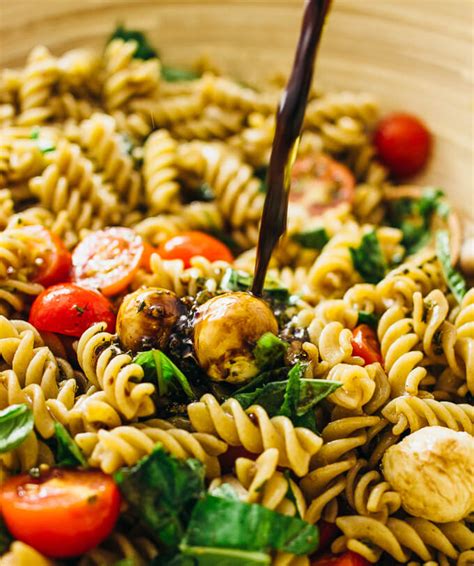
column 369, row 318
column 175, row 74
column 68, row 452
column 45, row 146
column 313, row 239
column 295, row 397
column 269, row 351
column 16, row 423
column 368, row 259
column 161, row 370
column 5, row 537
column 222, row 523
column 144, row 49
column 453, row 278
column 161, row 490
column 278, row 374
column 235, row 280
column 204, row 556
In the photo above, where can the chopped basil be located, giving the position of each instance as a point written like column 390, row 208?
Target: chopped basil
column 222, row 523
column 144, row 49
column 45, row 146
column 313, row 239
column 368, row 259
column 161, row 491
column 175, row 74
column 269, row 351
column 16, row 423
column 235, row 280
column 68, row 452
column 369, row 318
column 161, row 370
column 454, row 279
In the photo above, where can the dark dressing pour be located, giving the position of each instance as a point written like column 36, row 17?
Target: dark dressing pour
column 285, row 143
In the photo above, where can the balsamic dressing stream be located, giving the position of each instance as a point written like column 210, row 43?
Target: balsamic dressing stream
column 285, row 143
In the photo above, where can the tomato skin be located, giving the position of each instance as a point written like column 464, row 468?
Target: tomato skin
column 403, row 144
column 190, row 244
column 69, row 309
column 108, row 259
column 365, row 344
column 308, row 175
column 55, row 261
column 63, row 514
column 348, row 558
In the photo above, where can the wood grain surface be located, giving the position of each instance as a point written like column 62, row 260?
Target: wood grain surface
column 416, row 55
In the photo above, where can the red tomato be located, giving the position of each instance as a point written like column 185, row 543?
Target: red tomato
column 108, row 259
column 63, row 514
column 148, row 250
column 365, row 344
column 53, row 260
column 348, row 558
column 327, row 533
column 191, row 244
column 403, row 144
column 318, row 182
column 69, row 309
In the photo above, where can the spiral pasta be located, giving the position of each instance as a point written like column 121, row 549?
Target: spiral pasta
column 233, row 425
column 125, row 445
column 20, row 554
column 105, row 366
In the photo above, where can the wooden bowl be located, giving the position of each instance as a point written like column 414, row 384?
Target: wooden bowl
column 414, row 55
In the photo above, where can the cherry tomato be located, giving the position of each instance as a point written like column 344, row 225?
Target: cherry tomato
column 62, row 514
column 365, row 344
column 108, row 259
column 69, row 309
column 348, row 558
column 148, row 250
column 318, row 182
column 53, row 260
column 191, row 244
column 327, row 533
column 403, row 144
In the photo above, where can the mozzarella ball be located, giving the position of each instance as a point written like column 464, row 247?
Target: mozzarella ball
column 146, row 318
column 433, row 471
column 225, row 333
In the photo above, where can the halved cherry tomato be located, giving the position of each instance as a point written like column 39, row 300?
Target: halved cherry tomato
column 53, row 260
column 108, row 259
column 63, row 513
column 148, row 250
column 319, row 182
column 349, row 558
column 365, row 344
column 69, row 309
column 191, row 244
column 403, row 144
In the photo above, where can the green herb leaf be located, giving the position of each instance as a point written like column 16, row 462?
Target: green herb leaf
column 45, row 146
column 277, row 374
column 294, row 397
column 368, row 259
column 204, row 556
column 68, row 452
column 269, row 351
column 161, row 370
column 222, row 523
column 144, row 49
column 369, row 318
column 454, row 279
column 261, row 173
column 175, row 74
column 413, row 217
column 16, row 423
column 313, row 239
column 5, row 537
column 226, row 491
column 235, row 280
column 161, row 490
